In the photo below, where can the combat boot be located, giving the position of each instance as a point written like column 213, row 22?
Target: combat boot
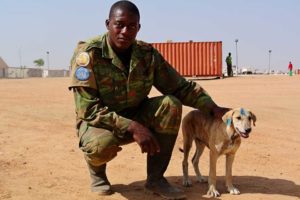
column 156, row 167
column 99, row 181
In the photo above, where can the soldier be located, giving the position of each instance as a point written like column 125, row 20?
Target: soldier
column 229, row 65
column 112, row 75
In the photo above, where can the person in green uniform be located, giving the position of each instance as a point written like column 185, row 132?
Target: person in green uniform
column 112, row 75
column 229, row 65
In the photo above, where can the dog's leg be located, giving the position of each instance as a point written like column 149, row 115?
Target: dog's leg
column 229, row 161
column 212, row 179
column 199, row 150
column 187, row 144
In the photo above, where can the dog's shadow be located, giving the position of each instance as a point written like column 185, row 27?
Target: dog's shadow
column 246, row 184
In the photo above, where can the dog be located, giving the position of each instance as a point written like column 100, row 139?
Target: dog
column 222, row 137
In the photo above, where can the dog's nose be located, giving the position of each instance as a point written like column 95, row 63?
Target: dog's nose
column 248, row 130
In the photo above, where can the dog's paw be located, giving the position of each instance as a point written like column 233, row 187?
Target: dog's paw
column 233, row 190
column 187, row 183
column 201, row 179
column 212, row 192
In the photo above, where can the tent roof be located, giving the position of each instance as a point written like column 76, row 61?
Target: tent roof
column 3, row 64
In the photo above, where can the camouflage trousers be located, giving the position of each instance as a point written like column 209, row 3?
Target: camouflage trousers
column 162, row 115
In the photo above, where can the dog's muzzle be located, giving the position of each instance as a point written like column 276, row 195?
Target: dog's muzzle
column 244, row 134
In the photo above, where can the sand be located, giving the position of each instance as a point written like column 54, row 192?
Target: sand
column 40, row 159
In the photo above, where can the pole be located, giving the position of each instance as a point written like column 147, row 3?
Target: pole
column 48, row 64
column 236, row 52
column 269, row 61
column 20, row 57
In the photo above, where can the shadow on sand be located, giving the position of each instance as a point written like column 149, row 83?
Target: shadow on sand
column 246, row 184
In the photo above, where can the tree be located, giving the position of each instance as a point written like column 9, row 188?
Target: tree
column 39, row 62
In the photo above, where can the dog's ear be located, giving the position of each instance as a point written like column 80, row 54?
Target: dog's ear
column 253, row 117
column 227, row 117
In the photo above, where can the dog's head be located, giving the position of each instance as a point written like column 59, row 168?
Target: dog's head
column 239, row 119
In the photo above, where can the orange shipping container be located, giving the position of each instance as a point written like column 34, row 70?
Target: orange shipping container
column 193, row 58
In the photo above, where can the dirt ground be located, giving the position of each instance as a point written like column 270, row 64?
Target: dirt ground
column 40, row 159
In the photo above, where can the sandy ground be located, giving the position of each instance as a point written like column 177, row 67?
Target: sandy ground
column 40, row 159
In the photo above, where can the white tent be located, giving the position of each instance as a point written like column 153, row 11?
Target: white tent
column 3, row 68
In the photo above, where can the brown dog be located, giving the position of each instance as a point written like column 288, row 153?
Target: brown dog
column 221, row 137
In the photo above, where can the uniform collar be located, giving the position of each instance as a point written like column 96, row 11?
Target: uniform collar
column 108, row 52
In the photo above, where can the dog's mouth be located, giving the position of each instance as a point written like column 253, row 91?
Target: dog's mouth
column 243, row 134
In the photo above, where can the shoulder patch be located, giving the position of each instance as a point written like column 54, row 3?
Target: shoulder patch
column 82, row 73
column 82, row 59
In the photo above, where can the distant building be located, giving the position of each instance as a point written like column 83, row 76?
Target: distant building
column 3, row 68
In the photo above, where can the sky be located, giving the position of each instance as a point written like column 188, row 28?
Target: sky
column 31, row 28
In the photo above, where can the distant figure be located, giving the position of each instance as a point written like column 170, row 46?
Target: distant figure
column 290, row 67
column 229, row 65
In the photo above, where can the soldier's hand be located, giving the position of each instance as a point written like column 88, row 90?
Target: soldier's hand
column 143, row 136
column 218, row 112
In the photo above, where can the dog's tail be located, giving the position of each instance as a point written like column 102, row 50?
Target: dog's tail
column 181, row 150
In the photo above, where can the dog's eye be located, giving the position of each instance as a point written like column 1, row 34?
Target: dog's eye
column 239, row 118
column 249, row 118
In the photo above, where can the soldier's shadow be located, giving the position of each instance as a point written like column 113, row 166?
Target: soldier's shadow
column 246, row 184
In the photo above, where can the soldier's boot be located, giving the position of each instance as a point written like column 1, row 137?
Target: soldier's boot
column 156, row 166
column 99, row 181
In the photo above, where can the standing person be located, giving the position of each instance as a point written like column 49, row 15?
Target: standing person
column 229, row 65
column 290, row 67
column 112, row 75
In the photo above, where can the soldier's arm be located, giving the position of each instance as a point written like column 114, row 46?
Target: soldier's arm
column 88, row 104
column 90, row 109
column 169, row 81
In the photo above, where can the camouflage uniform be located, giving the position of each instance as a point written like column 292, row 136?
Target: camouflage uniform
column 111, row 95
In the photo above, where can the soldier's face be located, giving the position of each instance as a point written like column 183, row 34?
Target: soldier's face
column 122, row 29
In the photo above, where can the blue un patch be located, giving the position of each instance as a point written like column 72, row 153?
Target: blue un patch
column 82, row 74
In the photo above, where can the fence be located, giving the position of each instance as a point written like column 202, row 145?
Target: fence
column 14, row 72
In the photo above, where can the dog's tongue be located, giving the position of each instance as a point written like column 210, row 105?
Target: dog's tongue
column 244, row 135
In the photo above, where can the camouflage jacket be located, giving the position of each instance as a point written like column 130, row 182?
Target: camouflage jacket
column 103, row 88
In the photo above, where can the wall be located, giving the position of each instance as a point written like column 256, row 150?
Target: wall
column 13, row 72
